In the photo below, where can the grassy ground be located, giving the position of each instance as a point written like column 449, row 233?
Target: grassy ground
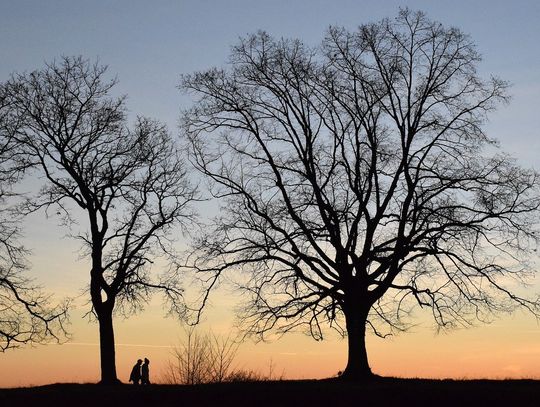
column 332, row 393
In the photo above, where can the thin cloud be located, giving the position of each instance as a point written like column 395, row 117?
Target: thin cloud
column 134, row 345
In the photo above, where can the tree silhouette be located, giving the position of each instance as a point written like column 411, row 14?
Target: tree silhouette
column 26, row 312
column 27, row 315
column 356, row 182
column 130, row 184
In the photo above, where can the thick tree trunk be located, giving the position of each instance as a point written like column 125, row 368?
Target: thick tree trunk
column 107, row 351
column 103, row 308
column 357, row 363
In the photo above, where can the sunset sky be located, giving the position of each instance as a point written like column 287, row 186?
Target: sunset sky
column 147, row 45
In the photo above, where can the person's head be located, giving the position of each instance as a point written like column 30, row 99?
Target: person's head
column 146, row 361
column 139, row 361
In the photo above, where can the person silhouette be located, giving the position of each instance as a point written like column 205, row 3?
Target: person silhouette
column 135, row 375
column 145, row 373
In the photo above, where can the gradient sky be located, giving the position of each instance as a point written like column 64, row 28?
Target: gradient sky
column 148, row 44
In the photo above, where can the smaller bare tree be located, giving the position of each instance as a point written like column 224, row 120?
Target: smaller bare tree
column 128, row 182
column 27, row 315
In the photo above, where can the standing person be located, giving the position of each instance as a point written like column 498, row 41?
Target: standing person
column 145, row 373
column 135, row 375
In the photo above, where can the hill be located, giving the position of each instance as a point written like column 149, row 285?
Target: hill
column 380, row 392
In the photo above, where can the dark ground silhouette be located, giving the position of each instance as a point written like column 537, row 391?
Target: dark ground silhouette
column 381, row 392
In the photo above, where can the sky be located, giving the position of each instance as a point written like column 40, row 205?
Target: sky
column 148, row 45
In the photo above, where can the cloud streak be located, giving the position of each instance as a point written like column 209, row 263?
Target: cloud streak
column 133, row 345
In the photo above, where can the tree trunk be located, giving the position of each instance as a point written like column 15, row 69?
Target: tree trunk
column 103, row 308
column 107, row 351
column 357, row 363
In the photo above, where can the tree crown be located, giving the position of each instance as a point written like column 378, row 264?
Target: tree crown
column 357, row 175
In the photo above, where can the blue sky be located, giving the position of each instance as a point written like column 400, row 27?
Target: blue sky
column 148, row 44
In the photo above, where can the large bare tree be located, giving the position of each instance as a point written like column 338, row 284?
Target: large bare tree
column 27, row 315
column 356, row 181
column 130, row 185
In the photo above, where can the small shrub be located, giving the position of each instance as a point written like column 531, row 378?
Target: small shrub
column 201, row 358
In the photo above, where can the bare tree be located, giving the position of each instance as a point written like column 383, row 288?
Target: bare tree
column 356, row 182
column 130, row 184
column 27, row 315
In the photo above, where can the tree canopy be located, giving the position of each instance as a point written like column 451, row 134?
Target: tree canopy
column 27, row 314
column 357, row 182
column 128, row 183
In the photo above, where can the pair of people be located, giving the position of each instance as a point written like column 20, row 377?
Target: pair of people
column 140, row 374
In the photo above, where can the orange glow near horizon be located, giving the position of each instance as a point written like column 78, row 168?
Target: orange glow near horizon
column 508, row 348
